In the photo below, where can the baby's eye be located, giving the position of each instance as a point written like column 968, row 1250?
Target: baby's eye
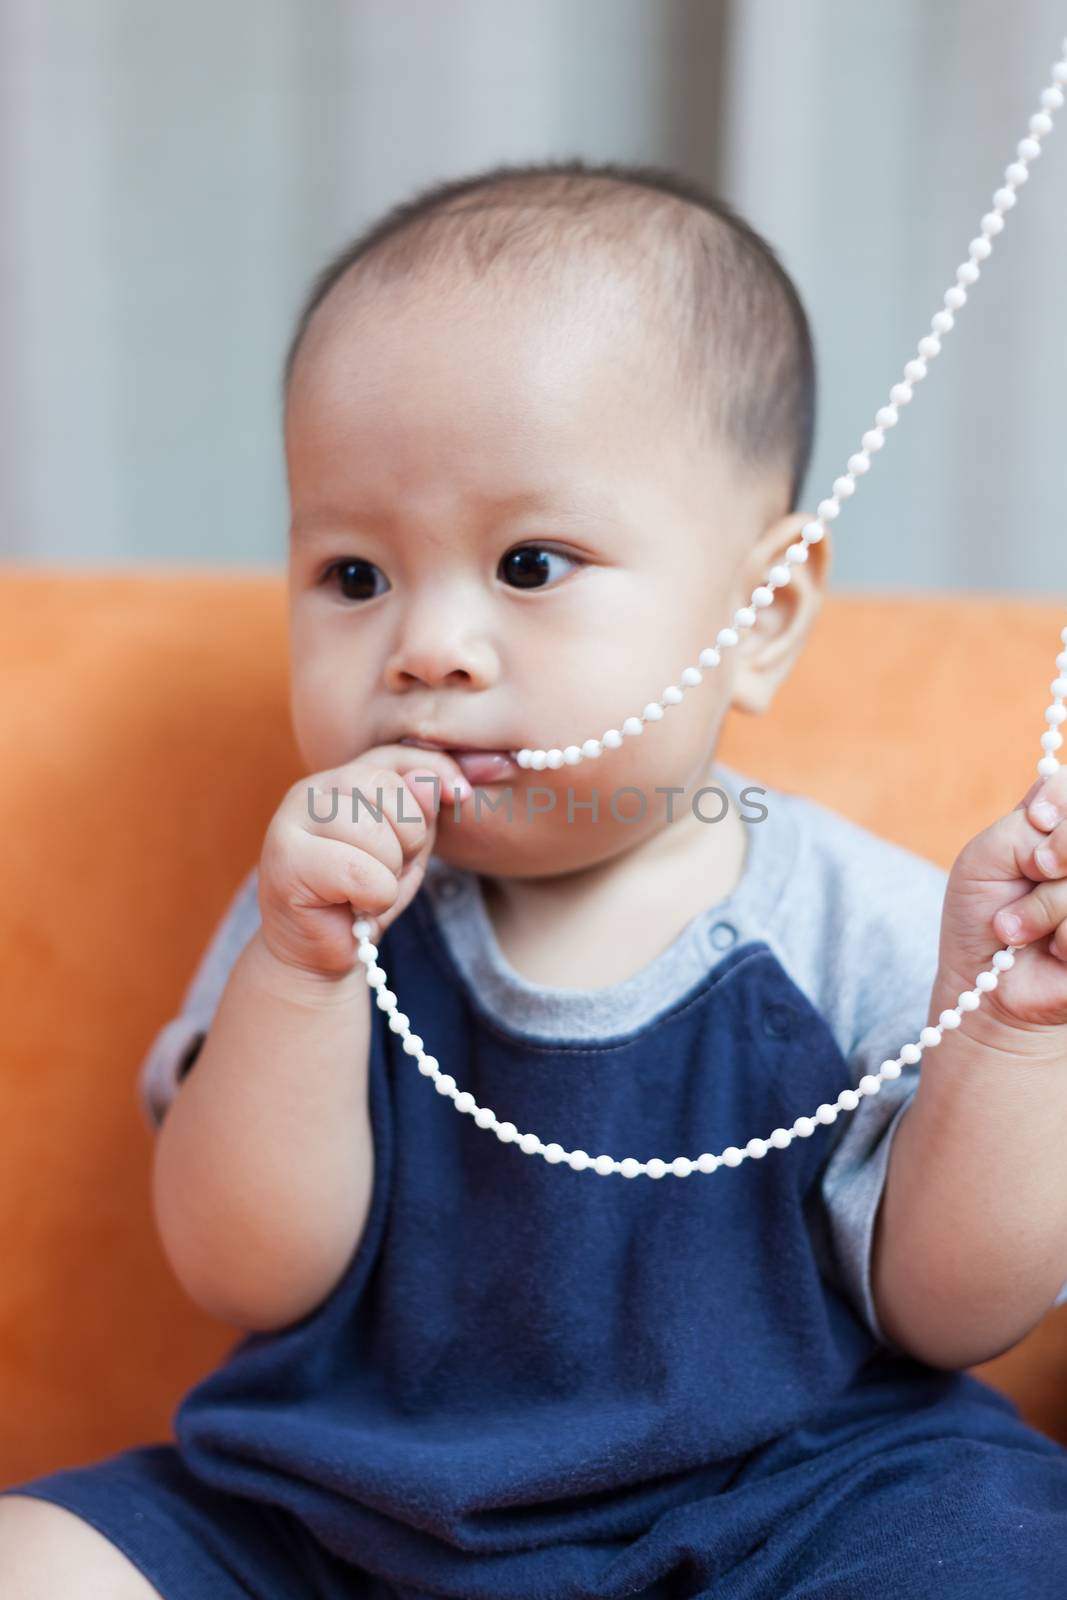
column 528, row 567
column 353, row 577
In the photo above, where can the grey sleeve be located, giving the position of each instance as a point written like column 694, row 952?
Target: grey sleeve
column 855, row 1175
column 174, row 1047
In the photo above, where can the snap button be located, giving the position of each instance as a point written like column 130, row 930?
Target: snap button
column 776, row 1021
column 722, row 935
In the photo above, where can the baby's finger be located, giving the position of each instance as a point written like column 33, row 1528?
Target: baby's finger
column 1038, row 913
column 1045, row 803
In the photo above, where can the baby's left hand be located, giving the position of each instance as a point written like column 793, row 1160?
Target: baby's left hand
column 1015, row 869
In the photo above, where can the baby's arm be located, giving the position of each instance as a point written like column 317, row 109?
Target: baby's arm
column 971, row 1239
column 263, row 1168
column 264, row 1165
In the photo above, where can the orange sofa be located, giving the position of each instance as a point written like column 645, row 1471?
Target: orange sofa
column 146, row 744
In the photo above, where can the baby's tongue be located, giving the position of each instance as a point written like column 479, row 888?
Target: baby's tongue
column 484, row 766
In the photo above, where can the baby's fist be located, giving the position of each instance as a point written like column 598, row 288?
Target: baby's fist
column 351, row 840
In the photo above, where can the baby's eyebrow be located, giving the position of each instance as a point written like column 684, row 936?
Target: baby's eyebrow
column 581, row 501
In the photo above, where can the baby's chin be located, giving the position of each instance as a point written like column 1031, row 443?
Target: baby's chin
column 542, row 845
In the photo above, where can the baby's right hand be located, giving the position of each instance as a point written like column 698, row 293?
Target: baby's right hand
column 314, row 877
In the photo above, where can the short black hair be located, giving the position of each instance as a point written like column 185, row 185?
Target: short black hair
column 720, row 299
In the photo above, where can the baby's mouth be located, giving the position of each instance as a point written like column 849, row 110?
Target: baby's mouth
column 479, row 767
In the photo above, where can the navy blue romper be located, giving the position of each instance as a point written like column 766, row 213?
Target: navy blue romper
column 539, row 1384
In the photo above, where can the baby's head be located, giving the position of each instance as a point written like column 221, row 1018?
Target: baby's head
column 545, row 432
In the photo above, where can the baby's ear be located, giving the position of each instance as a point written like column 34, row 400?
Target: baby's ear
column 767, row 652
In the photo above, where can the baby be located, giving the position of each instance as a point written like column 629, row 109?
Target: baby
column 545, row 432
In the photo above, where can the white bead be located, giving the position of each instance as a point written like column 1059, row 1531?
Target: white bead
column 709, row 656
column 726, row 637
column 915, row 369
column 554, row 758
column 553, row 1153
column 732, row 1156
column 507, row 1132
column 539, row 760
column 781, row 1138
column 413, row 1044
column 930, row 1037
column 779, row 576
column 612, row 739
column 1051, row 740
column 1061, row 659
column 804, row 1127
column 1051, row 99
column 762, row 596
column 591, row 749
column 942, row 321
column 1016, row 173
column 693, row 675
column 681, row 1166
column 812, row 532
column 707, row 1162
column 465, row 1102
column 930, row 344
column 1059, row 687
column 968, row 272
column 986, row 981
column 1028, row 149
column 578, row 1160
column 826, row 1114
column 843, row 487
column 889, row 1070
column 655, row 1168
column 573, row 753
column 756, row 1148
column 797, row 554
column 604, row 1165
column 1047, row 766
column 672, row 695
column 910, row 1054
column 1059, row 72
column 859, row 463
column 900, row 394
column 869, row 1084
column 1003, row 960
column 632, row 727
column 529, row 1144
column 445, row 1083
column 955, row 298
column 949, row 1020
column 744, row 617
column 981, row 248
column 1003, row 200
column 1056, row 714
column 1040, row 123
column 873, row 440
column 428, row 1066
column 969, row 1000
column 376, row 979
column 827, row 510
column 630, row 1167
column 398, row 1021
column 848, row 1099
column 484, row 1117
column 522, row 757
column 653, row 712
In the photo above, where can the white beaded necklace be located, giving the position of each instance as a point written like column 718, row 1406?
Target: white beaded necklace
column 887, row 417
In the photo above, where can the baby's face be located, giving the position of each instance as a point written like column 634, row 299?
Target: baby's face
column 504, row 535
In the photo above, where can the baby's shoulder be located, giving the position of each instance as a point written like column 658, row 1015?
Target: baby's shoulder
column 858, row 922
